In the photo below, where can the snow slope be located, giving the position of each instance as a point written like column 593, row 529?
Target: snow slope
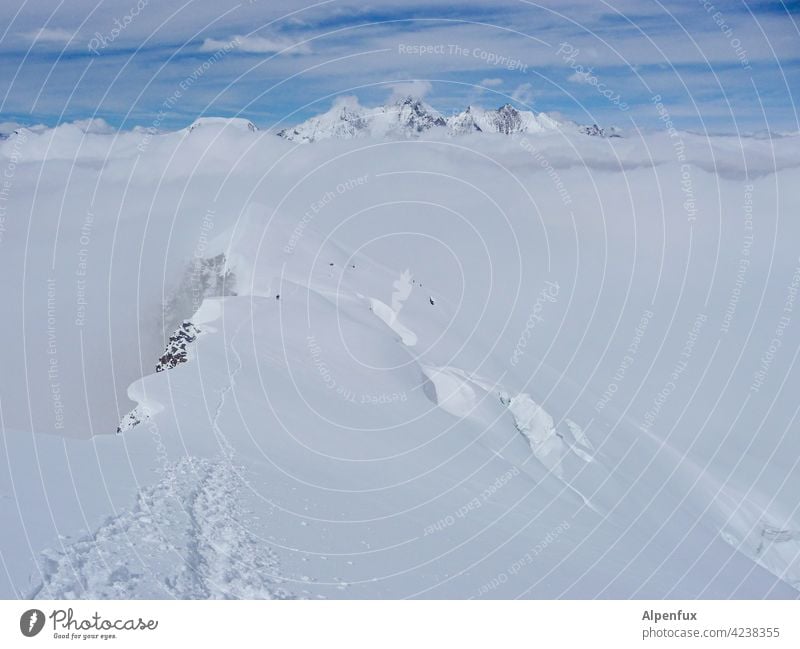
column 394, row 377
column 506, row 120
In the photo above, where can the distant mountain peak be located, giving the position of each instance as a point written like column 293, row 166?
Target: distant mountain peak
column 408, row 100
column 410, row 116
column 347, row 119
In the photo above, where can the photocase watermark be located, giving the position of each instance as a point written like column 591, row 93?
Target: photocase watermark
column 768, row 357
column 529, row 147
column 31, row 622
column 344, row 392
column 687, row 187
column 627, row 361
column 169, row 103
column 548, row 294
column 474, row 504
column 82, row 268
column 66, row 626
column 526, row 559
column 651, row 416
column 381, row 398
column 53, row 375
column 744, row 261
column 569, row 54
column 727, row 31
column 318, row 205
column 441, row 49
column 198, row 257
column 102, row 41
column 20, row 138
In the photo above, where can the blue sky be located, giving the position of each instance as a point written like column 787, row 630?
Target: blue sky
column 718, row 66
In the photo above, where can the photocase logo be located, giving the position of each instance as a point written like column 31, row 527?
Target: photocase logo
column 31, row 622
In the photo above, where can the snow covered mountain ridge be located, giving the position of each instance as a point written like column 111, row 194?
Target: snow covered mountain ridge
column 411, row 117
column 374, row 371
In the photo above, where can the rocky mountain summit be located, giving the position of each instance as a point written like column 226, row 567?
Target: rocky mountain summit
column 411, row 117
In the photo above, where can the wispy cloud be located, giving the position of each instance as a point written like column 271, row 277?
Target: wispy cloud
column 257, row 45
column 576, row 77
column 48, row 35
column 523, row 93
column 415, row 88
column 491, row 83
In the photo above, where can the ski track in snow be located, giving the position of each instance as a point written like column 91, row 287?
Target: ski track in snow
column 186, row 537
column 227, row 447
column 194, row 512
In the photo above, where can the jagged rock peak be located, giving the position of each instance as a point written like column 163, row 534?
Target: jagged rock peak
column 347, row 119
column 596, row 131
column 415, row 114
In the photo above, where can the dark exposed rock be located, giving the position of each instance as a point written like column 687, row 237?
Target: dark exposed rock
column 417, row 116
column 596, row 131
column 133, row 418
column 177, row 347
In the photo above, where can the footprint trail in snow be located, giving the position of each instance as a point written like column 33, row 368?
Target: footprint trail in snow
column 186, row 537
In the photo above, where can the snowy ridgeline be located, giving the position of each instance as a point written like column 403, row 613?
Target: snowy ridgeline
column 499, row 371
column 412, row 117
column 407, row 117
